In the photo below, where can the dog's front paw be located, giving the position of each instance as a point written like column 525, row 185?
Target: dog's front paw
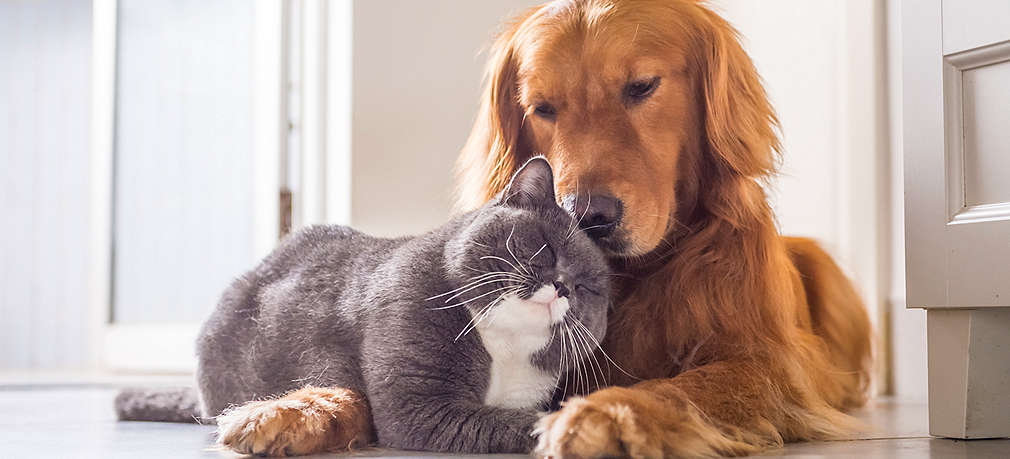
column 306, row 421
column 273, row 428
column 595, row 427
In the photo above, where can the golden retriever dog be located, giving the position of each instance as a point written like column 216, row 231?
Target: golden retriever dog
column 734, row 338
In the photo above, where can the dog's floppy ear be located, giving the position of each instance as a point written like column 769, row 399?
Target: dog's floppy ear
column 494, row 149
column 740, row 124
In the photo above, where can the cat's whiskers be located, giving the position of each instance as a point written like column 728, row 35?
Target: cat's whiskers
column 480, row 280
column 530, row 261
column 514, row 257
column 507, row 287
column 605, row 355
column 580, row 364
column 573, row 233
column 491, row 273
column 554, row 331
column 606, row 377
column 563, row 360
column 479, row 316
column 569, row 358
column 495, row 307
column 575, row 205
column 571, row 361
column 514, row 267
column 478, row 244
column 481, row 284
column 576, row 361
column 589, row 202
column 586, row 362
column 466, row 328
column 594, row 364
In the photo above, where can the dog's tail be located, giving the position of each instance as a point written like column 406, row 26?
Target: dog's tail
column 838, row 317
column 180, row 404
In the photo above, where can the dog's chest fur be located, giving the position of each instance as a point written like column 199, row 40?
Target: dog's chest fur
column 512, row 335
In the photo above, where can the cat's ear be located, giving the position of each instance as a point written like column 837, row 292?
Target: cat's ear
column 531, row 186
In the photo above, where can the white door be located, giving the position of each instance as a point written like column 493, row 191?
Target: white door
column 956, row 112
column 187, row 147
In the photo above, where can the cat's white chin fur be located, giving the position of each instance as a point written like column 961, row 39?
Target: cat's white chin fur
column 516, row 329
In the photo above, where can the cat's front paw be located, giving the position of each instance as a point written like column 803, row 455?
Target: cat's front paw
column 303, row 422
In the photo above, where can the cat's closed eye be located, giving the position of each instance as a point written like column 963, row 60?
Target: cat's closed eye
column 543, row 258
column 582, row 288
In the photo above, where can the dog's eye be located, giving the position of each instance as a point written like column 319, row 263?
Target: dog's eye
column 545, row 110
column 638, row 91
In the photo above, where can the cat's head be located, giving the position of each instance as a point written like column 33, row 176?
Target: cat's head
column 524, row 266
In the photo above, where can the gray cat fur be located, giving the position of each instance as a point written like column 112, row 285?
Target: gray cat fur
column 333, row 307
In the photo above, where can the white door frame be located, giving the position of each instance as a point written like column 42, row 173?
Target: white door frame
column 168, row 347
column 324, row 120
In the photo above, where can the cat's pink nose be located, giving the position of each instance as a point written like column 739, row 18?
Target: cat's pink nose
column 545, row 295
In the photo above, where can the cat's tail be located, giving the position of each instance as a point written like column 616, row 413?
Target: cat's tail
column 164, row 404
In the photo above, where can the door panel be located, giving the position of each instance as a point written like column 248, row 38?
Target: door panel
column 970, row 24
column 986, row 99
column 957, row 154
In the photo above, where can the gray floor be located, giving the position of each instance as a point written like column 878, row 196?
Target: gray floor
column 79, row 422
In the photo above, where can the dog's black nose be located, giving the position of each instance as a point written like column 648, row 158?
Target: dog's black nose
column 598, row 215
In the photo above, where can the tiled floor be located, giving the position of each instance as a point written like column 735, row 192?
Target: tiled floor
column 79, row 422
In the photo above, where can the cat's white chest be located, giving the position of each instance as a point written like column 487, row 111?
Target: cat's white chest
column 516, row 332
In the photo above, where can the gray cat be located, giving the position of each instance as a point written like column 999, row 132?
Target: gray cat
column 457, row 338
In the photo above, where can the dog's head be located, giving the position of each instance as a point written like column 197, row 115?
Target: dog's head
column 649, row 110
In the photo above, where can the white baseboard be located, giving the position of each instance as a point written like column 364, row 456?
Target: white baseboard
column 151, row 348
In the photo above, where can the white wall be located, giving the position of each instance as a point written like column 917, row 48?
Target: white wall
column 44, row 107
column 417, row 71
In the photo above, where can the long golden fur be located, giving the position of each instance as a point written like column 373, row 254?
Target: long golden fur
column 743, row 339
column 305, row 421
